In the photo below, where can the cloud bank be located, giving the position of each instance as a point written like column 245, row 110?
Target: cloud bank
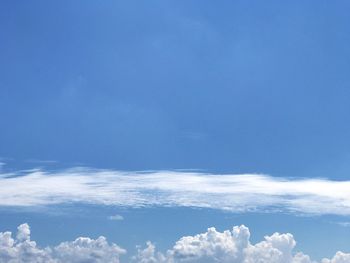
column 212, row 246
column 83, row 249
column 233, row 192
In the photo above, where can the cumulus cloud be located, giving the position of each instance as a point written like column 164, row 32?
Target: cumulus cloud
column 234, row 192
column 83, row 249
column 339, row 257
column 232, row 246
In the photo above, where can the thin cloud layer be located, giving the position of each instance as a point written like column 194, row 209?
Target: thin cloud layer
column 116, row 218
column 235, row 192
column 212, row 246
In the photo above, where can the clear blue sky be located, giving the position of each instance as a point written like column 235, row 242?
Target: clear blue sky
column 222, row 87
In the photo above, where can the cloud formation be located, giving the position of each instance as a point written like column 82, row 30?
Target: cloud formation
column 233, row 192
column 83, row 249
column 228, row 246
column 232, row 247
column 212, row 246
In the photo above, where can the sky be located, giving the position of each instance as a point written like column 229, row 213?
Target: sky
column 153, row 121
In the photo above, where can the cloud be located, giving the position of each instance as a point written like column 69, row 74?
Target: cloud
column 38, row 161
column 212, row 246
column 343, row 224
column 233, row 192
column 116, row 218
column 339, row 257
column 231, row 247
column 83, row 249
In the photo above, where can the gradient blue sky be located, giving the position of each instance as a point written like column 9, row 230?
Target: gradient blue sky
column 222, row 87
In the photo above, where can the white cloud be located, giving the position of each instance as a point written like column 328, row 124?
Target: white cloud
column 83, row 249
column 339, row 257
column 148, row 255
column 116, row 218
column 212, row 246
column 234, row 192
column 232, row 247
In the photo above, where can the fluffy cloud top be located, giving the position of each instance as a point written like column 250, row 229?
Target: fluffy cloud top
column 232, row 247
column 83, row 249
column 237, row 193
column 212, row 246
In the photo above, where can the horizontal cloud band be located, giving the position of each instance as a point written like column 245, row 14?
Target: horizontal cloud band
column 212, row 246
column 238, row 193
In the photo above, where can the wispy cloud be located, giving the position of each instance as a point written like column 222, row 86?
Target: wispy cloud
column 37, row 161
column 116, row 218
column 234, row 192
column 343, row 224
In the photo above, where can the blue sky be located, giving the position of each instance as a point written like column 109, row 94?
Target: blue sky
column 231, row 87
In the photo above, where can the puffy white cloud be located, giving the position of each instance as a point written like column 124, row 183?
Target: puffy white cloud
column 149, row 255
column 23, row 232
column 239, row 193
column 83, row 249
column 21, row 249
column 212, row 246
column 339, row 257
column 230, row 246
